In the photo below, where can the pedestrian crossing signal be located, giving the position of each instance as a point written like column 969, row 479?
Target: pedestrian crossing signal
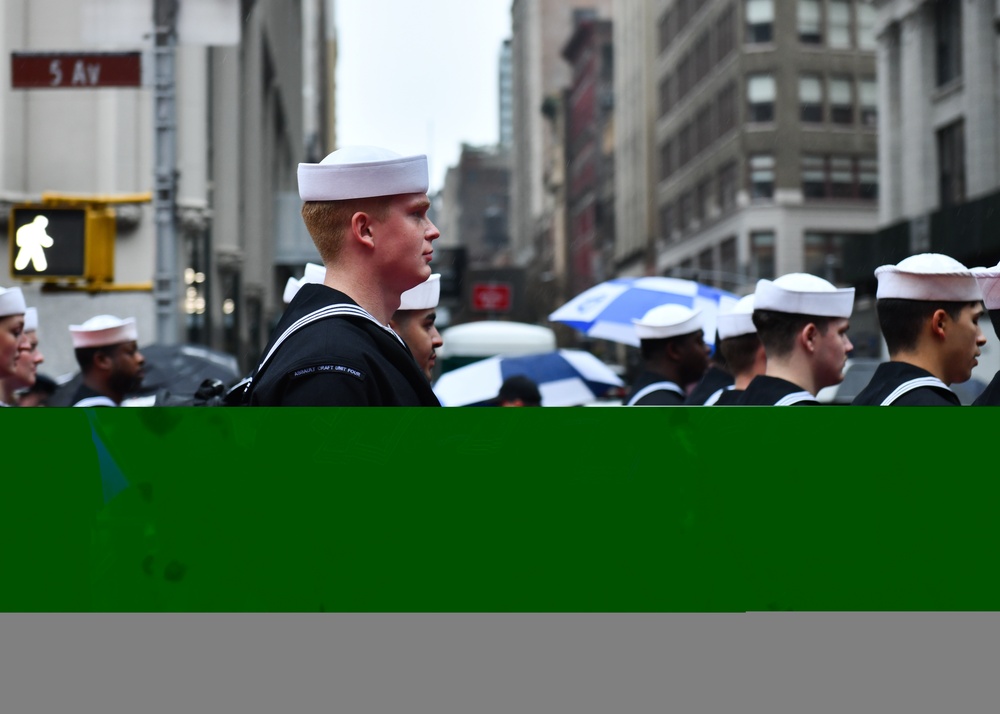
column 61, row 244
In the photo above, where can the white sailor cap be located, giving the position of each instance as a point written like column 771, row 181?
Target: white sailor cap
column 738, row 320
column 928, row 276
column 31, row 319
column 989, row 283
column 11, row 302
column 666, row 321
column 362, row 172
column 104, row 330
column 314, row 273
column 422, row 297
column 804, row 294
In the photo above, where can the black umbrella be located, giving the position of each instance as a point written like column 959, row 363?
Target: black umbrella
column 175, row 369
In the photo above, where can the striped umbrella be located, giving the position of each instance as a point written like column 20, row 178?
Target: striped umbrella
column 606, row 310
column 564, row 378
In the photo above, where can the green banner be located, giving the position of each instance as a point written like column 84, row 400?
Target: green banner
column 498, row 510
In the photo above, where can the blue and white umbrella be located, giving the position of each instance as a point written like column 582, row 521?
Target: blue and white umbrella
column 606, row 311
column 564, row 378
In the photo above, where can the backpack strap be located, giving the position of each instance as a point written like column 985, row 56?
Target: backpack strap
column 243, row 388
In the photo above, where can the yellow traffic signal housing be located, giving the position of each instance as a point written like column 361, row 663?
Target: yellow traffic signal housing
column 65, row 240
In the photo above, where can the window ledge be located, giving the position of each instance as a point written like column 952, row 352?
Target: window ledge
column 948, row 89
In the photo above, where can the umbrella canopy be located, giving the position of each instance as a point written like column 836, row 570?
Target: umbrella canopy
column 178, row 369
column 606, row 310
column 564, row 378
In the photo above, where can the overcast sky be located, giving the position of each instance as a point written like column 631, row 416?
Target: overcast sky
column 419, row 78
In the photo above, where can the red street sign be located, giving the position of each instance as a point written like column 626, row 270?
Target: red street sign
column 491, row 297
column 75, row 70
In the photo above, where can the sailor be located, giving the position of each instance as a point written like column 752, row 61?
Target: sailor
column 12, row 339
column 366, row 211
column 989, row 283
column 107, row 350
column 674, row 355
column 742, row 350
column 802, row 321
column 415, row 319
column 716, row 378
column 26, row 363
column 928, row 306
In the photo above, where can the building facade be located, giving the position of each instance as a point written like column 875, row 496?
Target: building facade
column 246, row 114
column 939, row 158
column 765, row 138
column 590, row 219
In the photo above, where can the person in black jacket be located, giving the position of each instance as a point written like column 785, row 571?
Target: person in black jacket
column 802, row 320
column 674, row 355
column 366, row 211
column 929, row 307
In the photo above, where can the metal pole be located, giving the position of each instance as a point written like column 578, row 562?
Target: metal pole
column 165, row 170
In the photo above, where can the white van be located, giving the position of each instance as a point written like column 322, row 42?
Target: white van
column 473, row 341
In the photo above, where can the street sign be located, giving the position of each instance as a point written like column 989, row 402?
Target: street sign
column 75, row 70
column 491, row 297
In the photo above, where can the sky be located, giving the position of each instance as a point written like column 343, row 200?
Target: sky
column 419, row 78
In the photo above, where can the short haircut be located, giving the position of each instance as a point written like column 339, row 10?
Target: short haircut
column 901, row 320
column 777, row 330
column 653, row 348
column 740, row 352
column 85, row 355
column 328, row 221
column 520, row 387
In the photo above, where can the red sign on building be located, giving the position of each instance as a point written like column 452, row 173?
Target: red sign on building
column 75, row 70
column 491, row 297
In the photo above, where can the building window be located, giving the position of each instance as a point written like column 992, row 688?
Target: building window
column 703, row 208
column 951, row 163
column 841, row 102
column 842, row 183
column 702, row 57
column 838, row 20
column 724, row 36
column 824, row 255
column 685, row 80
column 668, row 28
column 726, row 186
column 666, row 95
column 727, row 262
column 685, row 147
column 868, row 178
column 667, row 222
column 725, row 108
column 761, row 93
column 686, row 211
column 948, row 40
column 705, row 267
column 760, row 21
column 762, row 176
column 704, row 128
column 866, row 25
column 666, row 159
column 810, row 98
column 839, row 177
column 868, row 102
column 762, row 255
column 813, row 177
column 810, row 25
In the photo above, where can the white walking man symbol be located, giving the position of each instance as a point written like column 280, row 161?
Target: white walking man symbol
column 32, row 240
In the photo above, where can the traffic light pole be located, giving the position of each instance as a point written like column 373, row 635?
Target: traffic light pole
column 165, row 170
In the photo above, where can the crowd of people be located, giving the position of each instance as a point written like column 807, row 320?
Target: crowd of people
column 359, row 329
